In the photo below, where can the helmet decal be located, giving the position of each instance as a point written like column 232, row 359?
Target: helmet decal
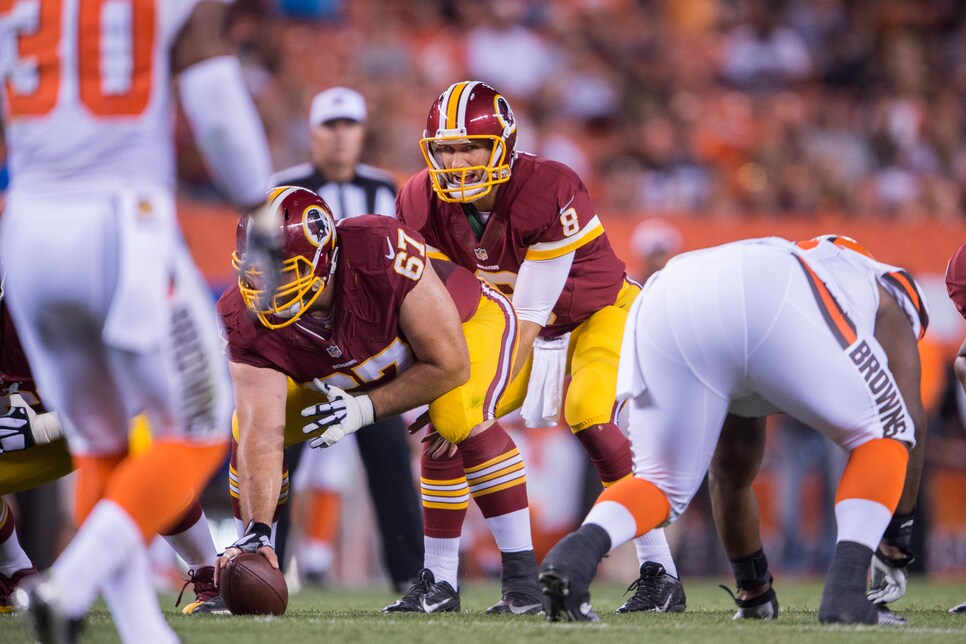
column 317, row 226
column 505, row 115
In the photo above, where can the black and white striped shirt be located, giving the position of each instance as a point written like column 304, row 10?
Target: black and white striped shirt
column 370, row 192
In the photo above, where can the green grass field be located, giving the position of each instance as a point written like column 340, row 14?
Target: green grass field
column 339, row 616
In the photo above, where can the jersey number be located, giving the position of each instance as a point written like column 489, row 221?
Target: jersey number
column 406, row 264
column 114, row 45
column 396, row 355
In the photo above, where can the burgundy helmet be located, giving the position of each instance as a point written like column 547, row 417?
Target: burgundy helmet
column 468, row 111
column 308, row 256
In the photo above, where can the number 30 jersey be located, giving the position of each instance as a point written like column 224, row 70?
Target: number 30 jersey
column 361, row 345
column 542, row 212
column 96, row 107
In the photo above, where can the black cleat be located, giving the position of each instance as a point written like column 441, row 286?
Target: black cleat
column 427, row 596
column 36, row 600
column 568, row 569
column 844, row 600
column 655, row 591
column 208, row 599
column 958, row 609
column 521, row 593
column 764, row 606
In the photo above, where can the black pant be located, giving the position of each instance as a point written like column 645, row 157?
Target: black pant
column 384, row 450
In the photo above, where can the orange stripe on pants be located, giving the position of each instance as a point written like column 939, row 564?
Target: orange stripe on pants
column 642, row 499
column 155, row 487
column 93, row 474
column 876, row 471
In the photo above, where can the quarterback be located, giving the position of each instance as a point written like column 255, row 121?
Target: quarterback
column 527, row 225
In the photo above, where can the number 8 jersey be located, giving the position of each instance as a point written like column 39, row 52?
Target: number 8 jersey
column 87, row 91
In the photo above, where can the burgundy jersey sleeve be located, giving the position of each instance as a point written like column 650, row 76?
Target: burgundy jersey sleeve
column 416, row 204
column 552, row 210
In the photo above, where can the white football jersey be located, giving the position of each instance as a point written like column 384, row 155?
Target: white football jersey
column 98, row 112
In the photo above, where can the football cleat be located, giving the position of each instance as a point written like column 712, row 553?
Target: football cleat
column 36, row 599
column 8, row 584
column 565, row 575
column 208, row 600
column 958, row 609
column 427, row 596
column 521, row 594
column 655, row 591
column 517, row 603
column 764, row 606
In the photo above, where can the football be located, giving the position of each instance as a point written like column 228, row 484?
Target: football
column 250, row 586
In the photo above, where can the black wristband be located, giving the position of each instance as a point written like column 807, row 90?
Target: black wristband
column 899, row 532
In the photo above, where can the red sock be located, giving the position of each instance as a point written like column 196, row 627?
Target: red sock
column 495, row 472
column 445, row 496
column 609, row 450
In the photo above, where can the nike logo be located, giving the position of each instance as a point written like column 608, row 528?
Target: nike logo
column 524, row 610
column 429, row 608
column 392, row 251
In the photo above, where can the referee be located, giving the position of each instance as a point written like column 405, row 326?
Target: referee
column 337, row 122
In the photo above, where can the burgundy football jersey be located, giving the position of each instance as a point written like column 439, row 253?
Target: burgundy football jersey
column 542, row 212
column 14, row 369
column 360, row 346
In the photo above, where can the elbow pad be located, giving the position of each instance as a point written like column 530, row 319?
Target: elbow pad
column 227, row 128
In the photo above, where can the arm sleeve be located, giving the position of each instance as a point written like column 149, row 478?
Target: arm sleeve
column 227, row 128
column 538, row 287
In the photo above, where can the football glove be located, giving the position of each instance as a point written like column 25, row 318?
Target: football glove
column 888, row 581
column 344, row 414
column 21, row 427
column 258, row 535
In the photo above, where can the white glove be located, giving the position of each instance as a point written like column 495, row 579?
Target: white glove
column 888, row 582
column 21, row 427
column 344, row 414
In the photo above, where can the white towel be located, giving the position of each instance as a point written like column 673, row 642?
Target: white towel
column 138, row 316
column 541, row 407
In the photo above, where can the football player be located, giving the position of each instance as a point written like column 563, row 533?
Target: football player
column 33, row 452
column 749, row 329
column 956, row 287
column 738, row 458
column 128, row 325
column 527, row 225
column 362, row 319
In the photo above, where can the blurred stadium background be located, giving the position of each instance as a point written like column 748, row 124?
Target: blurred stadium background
column 693, row 122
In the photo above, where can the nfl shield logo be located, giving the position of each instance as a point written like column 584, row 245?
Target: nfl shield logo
column 335, row 352
column 481, row 254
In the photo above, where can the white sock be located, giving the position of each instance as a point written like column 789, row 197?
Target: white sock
column 653, row 546
column 130, row 595
column 862, row 521
column 12, row 556
column 616, row 520
column 315, row 556
column 195, row 545
column 103, row 544
column 443, row 558
column 512, row 531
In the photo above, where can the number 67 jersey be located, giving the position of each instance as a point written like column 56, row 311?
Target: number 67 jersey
column 87, row 91
column 360, row 346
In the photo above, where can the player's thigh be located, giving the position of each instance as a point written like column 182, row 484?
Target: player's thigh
column 846, row 392
column 594, row 358
column 184, row 385
column 28, row 468
column 491, row 338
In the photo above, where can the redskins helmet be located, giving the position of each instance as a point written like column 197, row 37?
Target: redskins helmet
column 309, row 254
column 469, row 111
